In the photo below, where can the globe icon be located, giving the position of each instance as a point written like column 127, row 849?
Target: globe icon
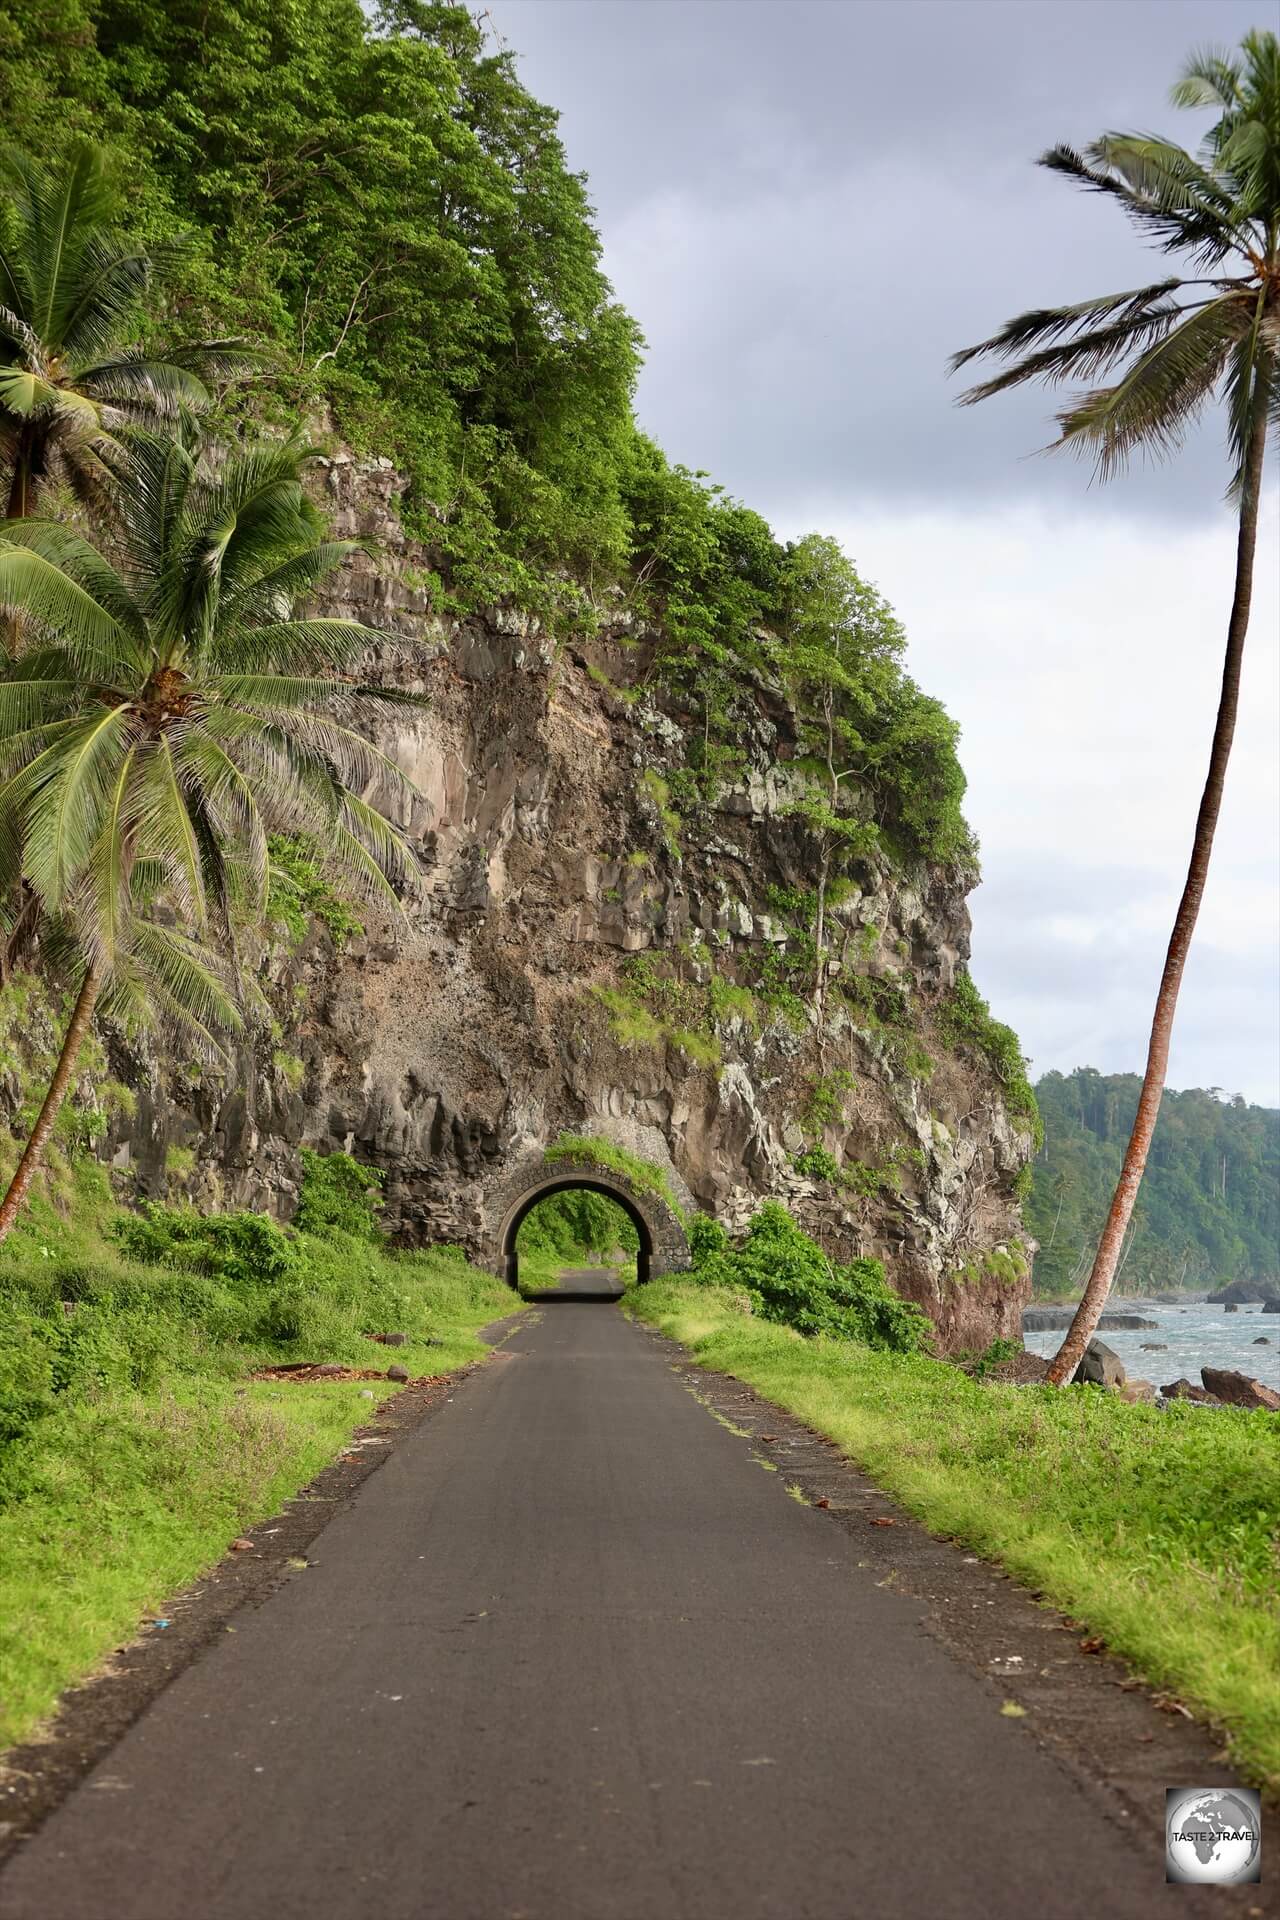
column 1213, row 1836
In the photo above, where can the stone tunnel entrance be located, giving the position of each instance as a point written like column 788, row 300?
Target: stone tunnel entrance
column 663, row 1245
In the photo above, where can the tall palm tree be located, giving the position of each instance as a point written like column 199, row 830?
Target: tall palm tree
column 1175, row 345
column 72, row 290
column 165, row 715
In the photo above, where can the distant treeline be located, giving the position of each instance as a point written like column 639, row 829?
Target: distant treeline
column 1209, row 1209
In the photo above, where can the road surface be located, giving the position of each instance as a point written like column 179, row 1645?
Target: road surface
column 571, row 1654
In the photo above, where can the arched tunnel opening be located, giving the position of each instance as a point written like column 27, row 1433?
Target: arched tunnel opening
column 578, row 1239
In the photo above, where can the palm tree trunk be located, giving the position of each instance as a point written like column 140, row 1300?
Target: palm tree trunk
column 1080, row 1332
column 20, row 485
column 76, row 1031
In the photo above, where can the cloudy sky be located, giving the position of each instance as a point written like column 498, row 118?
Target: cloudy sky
column 808, row 204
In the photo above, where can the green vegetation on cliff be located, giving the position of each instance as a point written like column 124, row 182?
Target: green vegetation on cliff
column 1209, row 1209
column 373, row 197
column 783, row 1275
column 1154, row 1528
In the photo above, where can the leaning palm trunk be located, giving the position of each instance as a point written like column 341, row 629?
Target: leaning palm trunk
column 32, row 1152
column 1071, row 1352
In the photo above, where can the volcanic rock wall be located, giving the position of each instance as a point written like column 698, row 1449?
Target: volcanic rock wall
column 447, row 1048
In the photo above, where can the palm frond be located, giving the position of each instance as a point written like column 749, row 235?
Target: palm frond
column 1249, row 391
column 1159, row 396
column 59, row 209
column 104, row 931
column 36, row 587
column 230, row 801
column 350, row 755
column 272, row 594
column 1088, row 352
column 1177, row 219
column 73, row 556
column 63, row 795
column 184, row 979
column 147, row 389
column 162, row 825
column 290, row 646
column 1210, row 78
column 111, row 279
column 27, row 701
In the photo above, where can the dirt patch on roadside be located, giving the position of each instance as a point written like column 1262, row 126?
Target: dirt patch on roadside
column 316, row 1375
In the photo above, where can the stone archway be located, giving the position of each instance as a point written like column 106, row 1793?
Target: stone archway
column 663, row 1245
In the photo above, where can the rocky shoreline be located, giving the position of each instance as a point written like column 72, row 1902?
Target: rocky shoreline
column 1103, row 1367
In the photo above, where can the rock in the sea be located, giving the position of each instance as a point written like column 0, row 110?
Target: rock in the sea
column 1155, row 1346
column 1101, row 1367
column 1244, row 1293
column 1185, row 1390
column 1238, row 1390
column 1262, row 1341
column 1231, row 1306
column 1054, row 1319
column 1271, row 1306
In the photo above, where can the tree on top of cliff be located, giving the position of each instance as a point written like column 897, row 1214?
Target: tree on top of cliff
column 376, row 195
column 1176, row 344
column 165, row 714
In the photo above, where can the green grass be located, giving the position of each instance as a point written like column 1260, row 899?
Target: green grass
column 1155, row 1528
column 133, row 1446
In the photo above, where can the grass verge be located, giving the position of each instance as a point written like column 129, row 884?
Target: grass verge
column 1156, row 1528
column 133, row 1445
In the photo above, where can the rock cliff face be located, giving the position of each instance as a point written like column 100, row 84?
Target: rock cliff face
column 581, row 959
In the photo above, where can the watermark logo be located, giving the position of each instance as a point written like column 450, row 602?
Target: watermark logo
column 1212, row 1836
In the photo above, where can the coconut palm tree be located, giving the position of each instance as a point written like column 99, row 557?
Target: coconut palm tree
column 1174, row 346
column 165, row 715
column 71, row 293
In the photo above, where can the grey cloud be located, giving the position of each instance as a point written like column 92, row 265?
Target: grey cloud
column 810, row 206
column 1090, row 1004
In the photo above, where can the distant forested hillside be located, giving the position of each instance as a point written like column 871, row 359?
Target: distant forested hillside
column 1209, row 1207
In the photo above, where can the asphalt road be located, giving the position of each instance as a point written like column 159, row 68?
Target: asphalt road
column 571, row 1654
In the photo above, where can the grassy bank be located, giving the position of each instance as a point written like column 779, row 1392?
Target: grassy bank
column 1155, row 1528
column 133, row 1445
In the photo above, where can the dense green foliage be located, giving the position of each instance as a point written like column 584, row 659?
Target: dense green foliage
column 374, row 196
column 965, row 1020
column 787, row 1277
column 1155, row 1528
column 1209, row 1209
column 644, row 1176
column 300, row 893
column 101, row 1298
column 574, row 1228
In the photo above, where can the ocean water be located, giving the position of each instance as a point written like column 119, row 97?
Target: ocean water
column 1196, row 1336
